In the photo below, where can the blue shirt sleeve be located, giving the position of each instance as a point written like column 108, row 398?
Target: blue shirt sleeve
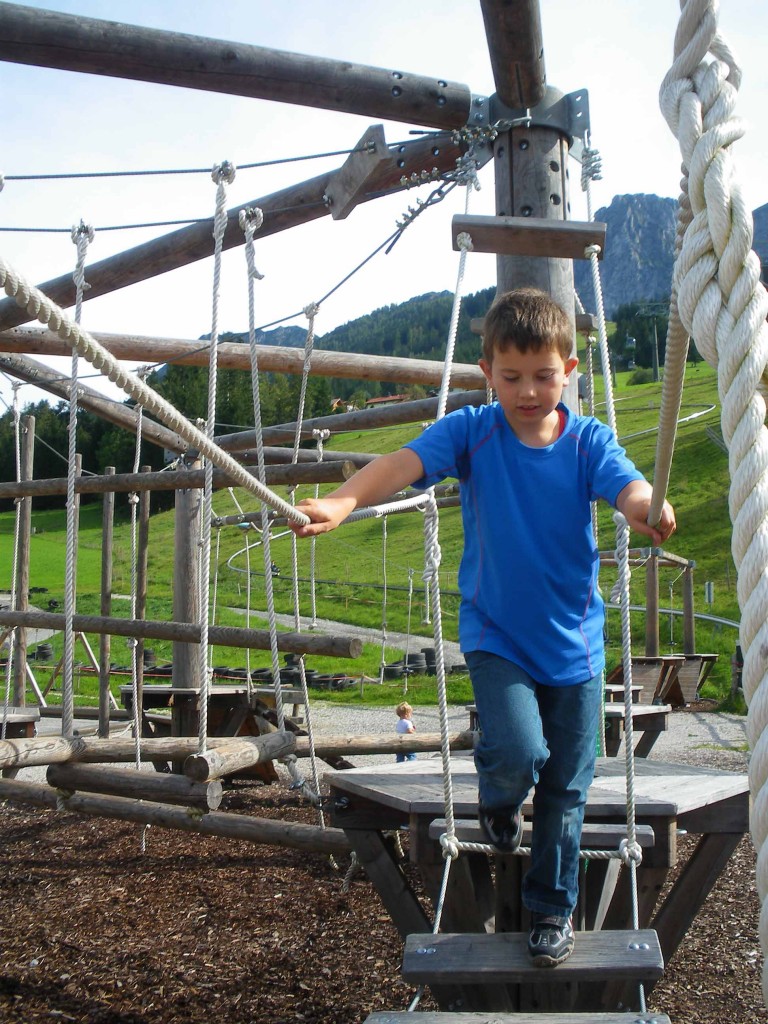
column 440, row 448
column 610, row 469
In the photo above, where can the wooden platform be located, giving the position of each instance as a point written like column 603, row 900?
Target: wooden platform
column 714, row 805
column 503, row 958
column 468, row 1017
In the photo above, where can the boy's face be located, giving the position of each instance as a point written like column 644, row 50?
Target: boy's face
column 528, row 386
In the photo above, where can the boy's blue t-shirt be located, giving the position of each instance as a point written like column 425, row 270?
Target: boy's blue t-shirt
column 528, row 574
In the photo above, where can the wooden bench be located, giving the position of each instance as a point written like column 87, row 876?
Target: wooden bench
column 20, row 722
column 648, row 720
column 683, row 687
column 614, row 692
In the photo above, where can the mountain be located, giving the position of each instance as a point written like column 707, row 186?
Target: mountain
column 639, row 252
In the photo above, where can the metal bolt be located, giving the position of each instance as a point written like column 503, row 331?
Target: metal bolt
column 426, row 949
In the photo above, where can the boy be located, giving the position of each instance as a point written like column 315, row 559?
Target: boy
column 404, row 727
column 531, row 616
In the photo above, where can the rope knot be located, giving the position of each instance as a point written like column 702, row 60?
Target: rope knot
column 82, row 231
column 592, row 250
column 251, row 217
column 223, row 172
column 630, row 852
column 2, row 182
column 464, row 241
column 450, row 846
column 311, row 310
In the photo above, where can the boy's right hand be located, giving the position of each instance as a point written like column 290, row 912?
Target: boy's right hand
column 325, row 513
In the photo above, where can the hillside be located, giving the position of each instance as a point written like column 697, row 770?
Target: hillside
column 350, row 564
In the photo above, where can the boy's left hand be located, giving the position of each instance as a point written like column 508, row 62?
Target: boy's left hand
column 634, row 503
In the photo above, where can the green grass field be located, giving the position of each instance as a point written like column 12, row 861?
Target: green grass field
column 351, row 563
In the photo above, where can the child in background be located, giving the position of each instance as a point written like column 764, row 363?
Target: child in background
column 404, row 726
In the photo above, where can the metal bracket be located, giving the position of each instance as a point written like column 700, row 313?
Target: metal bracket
column 566, row 113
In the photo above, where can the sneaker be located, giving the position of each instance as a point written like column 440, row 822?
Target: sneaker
column 550, row 940
column 503, row 826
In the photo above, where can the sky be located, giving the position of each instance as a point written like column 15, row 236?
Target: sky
column 62, row 122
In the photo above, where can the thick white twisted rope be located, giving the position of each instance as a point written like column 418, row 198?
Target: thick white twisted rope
column 47, row 312
column 82, row 235
column 723, row 305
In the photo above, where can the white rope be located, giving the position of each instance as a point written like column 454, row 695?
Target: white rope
column 251, row 220
column 320, row 436
column 222, row 175
column 82, row 234
column 11, row 635
column 723, row 305
column 383, row 658
column 47, row 312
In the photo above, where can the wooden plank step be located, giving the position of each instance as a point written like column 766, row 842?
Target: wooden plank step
column 530, row 236
column 502, row 957
column 437, row 1017
column 593, row 836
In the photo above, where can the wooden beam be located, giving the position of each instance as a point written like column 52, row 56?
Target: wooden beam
column 235, row 356
column 45, row 750
column 297, row 204
column 137, row 785
column 513, row 32
column 118, row 413
column 283, row 456
column 189, row 632
column 74, row 43
column 362, row 419
column 349, row 184
column 328, row 471
column 240, row 752
column 530, row 236
column 295, row 835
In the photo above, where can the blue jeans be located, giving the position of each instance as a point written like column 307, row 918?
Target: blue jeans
column 542, row 736
column 399, row 758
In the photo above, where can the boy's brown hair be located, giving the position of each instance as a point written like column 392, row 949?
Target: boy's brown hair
column 403, row 710
column 526, row 318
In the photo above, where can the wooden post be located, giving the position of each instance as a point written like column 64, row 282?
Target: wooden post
column 22, row 563
column 138, row 785
column 513, row 32
column 689, row 619
column 186, row 581
column 105, row 640
column 531, row 181
column 652, row 606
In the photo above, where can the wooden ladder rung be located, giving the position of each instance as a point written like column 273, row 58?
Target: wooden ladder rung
column 594, row 836
column 530, row 236
column 502, row 957
column 437, row 1017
